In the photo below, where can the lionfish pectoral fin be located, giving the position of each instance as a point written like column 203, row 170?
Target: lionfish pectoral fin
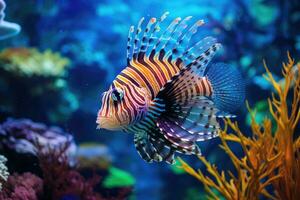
column 190, row 116
column 178, row 137
column 144, row 147
column 151, row 147
column 162, row 146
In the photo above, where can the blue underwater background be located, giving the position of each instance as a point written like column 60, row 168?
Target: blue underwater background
column 86, row 40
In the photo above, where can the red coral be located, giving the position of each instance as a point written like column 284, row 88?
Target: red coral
column 26, row 186
column 72, row 183
column 61, row 180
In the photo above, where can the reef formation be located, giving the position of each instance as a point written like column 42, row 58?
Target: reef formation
column 40, row 78
column 42, row 163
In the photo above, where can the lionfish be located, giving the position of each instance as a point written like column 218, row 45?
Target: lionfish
column 168, row 95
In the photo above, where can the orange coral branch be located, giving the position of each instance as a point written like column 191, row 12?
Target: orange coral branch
column 270, row 158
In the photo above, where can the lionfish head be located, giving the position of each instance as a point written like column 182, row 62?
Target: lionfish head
column 122, row 107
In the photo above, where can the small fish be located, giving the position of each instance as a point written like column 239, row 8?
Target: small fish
column 169, row 95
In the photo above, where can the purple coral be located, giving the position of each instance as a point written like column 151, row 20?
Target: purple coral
column 22, row 187
column 22, row 136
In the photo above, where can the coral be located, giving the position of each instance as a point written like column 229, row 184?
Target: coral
column 27, row 76
column 53, row 150
column 26, row 186
column 59, row 179
column 7, row 29
column 31, row 62
column 62, row 181
column 22, row 135
column 270, row 166
column 3, row 170
column 19, row 139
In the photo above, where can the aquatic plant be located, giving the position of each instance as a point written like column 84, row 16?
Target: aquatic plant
column 3, row 170
column 31, row 62
column 25, row 186
column 118, row 178
column 7, row 29
column 261, row 110
column 176, row 169
column 270, row 165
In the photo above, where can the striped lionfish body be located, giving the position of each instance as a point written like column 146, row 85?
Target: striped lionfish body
column 169, row 95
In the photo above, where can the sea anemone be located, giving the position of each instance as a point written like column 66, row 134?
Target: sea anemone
column 270, row 165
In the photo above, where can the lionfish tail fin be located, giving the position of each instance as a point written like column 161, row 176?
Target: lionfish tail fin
column 228, row 88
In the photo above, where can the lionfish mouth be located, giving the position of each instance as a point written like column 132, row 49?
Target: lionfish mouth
column 108, row 123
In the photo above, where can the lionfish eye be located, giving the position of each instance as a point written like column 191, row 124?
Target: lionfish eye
column 117, row 94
